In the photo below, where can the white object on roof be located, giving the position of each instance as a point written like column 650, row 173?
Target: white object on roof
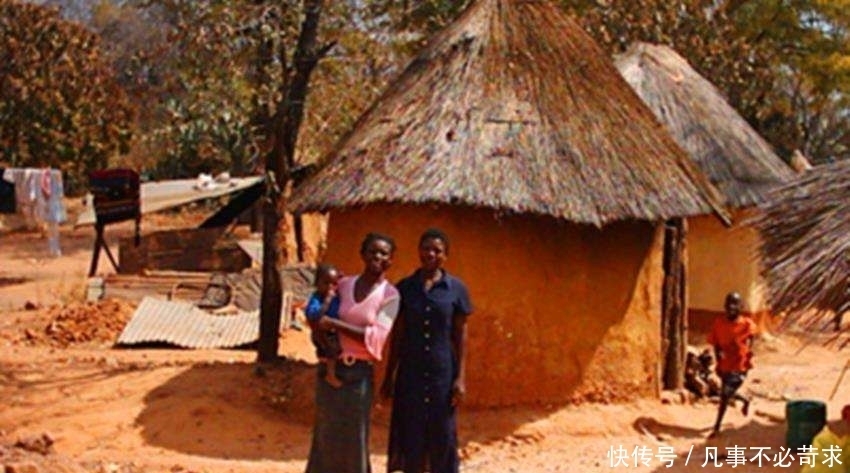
column 162, row 195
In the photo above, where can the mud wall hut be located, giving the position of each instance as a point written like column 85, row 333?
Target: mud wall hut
column 513, row 131
column 738, row 161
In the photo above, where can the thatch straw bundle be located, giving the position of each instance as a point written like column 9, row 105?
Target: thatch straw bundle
column 513, row 107
column 806, row 239
column 735, row 157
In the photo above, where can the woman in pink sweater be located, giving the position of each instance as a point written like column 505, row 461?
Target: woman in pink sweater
column 368, row 308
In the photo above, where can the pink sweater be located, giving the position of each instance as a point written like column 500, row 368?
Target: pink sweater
column 376, row 313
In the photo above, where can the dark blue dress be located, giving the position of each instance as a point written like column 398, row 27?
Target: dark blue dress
column 422, row 427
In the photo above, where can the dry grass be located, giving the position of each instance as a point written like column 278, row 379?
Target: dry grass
column 736, row 158
column 513, row 107
column 806, row 239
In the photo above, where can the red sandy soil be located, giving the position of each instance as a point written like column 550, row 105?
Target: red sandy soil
column 72, row 403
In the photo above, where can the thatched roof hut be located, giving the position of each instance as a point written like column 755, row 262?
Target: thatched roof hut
column 513, row 112
column 737, row 160
column 735, row 157
column 513, row 108
column 806, row 242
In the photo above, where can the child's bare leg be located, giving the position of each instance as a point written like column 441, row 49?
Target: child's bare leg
column 746, row 408
column 330, row 377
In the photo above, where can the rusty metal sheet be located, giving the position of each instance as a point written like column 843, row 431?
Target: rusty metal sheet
column 297, row 279
column 181, row 323
column 246, row 289
column 187, row 249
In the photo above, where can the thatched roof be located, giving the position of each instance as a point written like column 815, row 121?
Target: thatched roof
column 806, row 243
column 736, row 158
column 513, row 107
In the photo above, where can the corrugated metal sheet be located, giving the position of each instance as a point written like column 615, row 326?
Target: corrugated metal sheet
column 297, row 279
column 246, row 289
column 181, row 323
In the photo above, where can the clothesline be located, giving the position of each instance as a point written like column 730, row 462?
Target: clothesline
column 38, row 195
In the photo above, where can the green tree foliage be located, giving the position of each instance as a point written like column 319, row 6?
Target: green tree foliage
column 207, row 73
column 809, row 105
column 189, row 65
column 131, row 42
column 353, row 73
column 422, row 16
column 781, row 63
column 59, row 102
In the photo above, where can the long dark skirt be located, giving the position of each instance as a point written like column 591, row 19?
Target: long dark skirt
column 341, row 431
column 423, row 425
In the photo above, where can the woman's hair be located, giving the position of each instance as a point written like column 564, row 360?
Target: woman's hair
column 373, row 237
column 435, row 234
column 323, row 270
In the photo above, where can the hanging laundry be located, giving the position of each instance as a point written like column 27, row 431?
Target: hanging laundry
column 56, row 204
column 39, row 199
column 26, row 193
column 52, row 207
column 49, row 202
column 8, row 203
column 28, row 205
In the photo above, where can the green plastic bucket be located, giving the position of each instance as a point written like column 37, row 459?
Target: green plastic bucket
column 805, row 419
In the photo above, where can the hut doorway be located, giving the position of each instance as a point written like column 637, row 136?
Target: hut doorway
column 674, row 326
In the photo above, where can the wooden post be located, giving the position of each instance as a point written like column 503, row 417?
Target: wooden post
column 100, row 243
column 95, row 256
column 683, row 298
column 674, row 305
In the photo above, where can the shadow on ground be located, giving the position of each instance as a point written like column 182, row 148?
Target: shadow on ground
column 225, row 410
column 759, row 443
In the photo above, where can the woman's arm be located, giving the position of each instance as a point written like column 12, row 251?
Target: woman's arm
column 383, row 321
column 462, row 310
column 392, row 358
column 353, row 331
column 459, row 336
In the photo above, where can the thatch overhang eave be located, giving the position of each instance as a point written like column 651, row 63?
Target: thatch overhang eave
column 805, row 249
column 302, row 205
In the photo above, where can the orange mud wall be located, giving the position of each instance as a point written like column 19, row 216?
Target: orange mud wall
column 720, row 260
column 563, row 312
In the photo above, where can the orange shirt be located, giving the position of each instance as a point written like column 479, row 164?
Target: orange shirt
column 732, row 337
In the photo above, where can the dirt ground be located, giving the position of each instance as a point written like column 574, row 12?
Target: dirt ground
column 72, row 403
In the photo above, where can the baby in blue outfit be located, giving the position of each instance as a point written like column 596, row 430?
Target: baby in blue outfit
column 325, row 301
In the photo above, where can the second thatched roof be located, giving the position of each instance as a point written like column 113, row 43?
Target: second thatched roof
column 805, row 231
column 513, row 107
column 736, row 158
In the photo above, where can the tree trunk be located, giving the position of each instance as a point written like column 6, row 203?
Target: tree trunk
column 280, row 160
column 300, row 244
column 674, row 304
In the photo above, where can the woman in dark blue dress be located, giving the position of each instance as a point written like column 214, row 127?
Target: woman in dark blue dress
column 425, row 367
